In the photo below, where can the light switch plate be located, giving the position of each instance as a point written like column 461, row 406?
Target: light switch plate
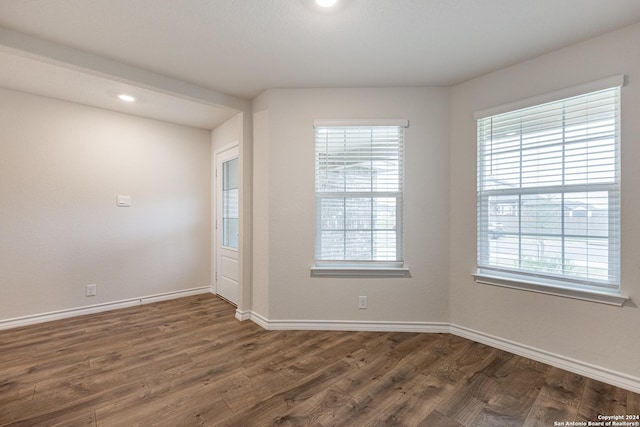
column 92, row 290
column 123, row 201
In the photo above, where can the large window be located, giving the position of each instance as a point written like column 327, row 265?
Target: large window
column 549, row 193
column 359, row 180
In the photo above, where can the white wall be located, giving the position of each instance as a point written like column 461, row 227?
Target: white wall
column 284, row 207
column 261, row 254
column 594, row 333
column 227, row 134
column 61, row 167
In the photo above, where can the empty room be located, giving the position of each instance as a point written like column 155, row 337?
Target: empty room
column 319, row 212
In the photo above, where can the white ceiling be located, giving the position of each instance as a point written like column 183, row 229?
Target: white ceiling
column 242, row 47
column 36, row 76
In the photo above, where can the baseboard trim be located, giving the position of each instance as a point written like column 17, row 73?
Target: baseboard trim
column 605, row 375
column 344, row 325
column 33, row 319
column 243, row 315
column 367, row 326
column 176, row 294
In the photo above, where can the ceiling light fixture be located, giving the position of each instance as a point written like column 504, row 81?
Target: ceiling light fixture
column 326, row 3
column 126, row 98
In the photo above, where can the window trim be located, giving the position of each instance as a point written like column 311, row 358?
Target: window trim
column 364, row 269
column 562, row 288
column 351, row 270
column 361, row 122
column 605, row 83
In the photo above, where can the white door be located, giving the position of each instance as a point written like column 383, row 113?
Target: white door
column 227, row 224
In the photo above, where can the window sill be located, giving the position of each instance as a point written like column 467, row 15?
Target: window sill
column 360, row 272
column 532, row 286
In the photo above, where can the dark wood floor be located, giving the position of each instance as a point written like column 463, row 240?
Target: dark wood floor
column 189, row 362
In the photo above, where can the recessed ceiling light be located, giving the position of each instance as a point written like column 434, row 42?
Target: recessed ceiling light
column 126, row 98
column 326, row 3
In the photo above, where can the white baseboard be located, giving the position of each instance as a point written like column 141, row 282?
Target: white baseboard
column 372, row 326
column 605, row 375
column 243, row 315
column 344, row 325
column 176, row 294
column 98, row 308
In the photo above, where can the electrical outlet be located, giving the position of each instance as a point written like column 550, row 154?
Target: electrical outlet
column 362, row 302
column 92, row 290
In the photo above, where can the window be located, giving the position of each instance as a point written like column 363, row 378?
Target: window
column 230, row 203
column 359, row 191
column 549, row 194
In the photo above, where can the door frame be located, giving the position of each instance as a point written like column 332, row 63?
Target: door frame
column 216, row 222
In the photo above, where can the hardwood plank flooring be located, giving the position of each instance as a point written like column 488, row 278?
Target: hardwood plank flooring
column 189, row 362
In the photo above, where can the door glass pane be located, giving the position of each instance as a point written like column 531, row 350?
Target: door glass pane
column 230, row 204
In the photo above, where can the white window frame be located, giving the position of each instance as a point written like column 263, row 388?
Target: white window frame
column 511, row 278
column 351, row 268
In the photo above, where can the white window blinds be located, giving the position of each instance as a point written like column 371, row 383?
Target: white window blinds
column 359, row 184
column 549, row 192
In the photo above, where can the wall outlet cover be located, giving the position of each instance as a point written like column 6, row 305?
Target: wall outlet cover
column 362, row 302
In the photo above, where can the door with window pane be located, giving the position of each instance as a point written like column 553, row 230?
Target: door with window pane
column 227, row 224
